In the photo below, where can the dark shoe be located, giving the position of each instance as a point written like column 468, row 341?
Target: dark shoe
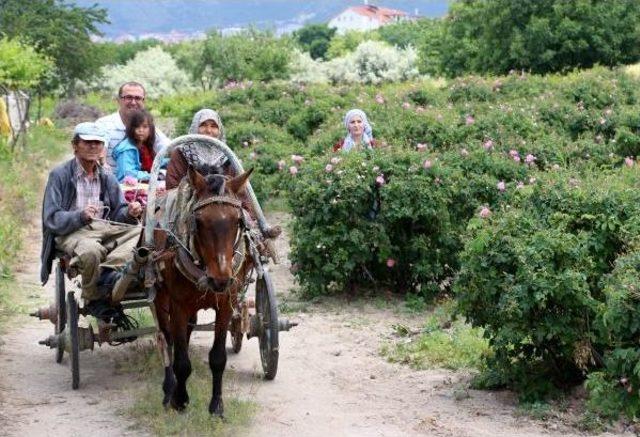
column 272, row 232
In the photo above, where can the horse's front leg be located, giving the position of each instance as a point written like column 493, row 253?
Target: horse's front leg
column 164, row 340
column 218, row 358
column 181, row 362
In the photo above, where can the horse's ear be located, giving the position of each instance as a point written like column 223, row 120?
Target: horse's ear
column 197, row 180
column 238, row 184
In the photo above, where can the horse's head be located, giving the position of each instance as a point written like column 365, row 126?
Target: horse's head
column 217, row 224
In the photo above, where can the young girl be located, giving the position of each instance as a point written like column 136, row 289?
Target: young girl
column 134, row 155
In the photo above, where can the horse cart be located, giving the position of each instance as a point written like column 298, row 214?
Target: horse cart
column 253, row 315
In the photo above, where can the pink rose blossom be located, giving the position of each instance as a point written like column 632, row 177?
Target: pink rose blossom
column 485, row 212
column 513, row 153
column 375, row 168
column 602, row 121
column 532, row 180
column 391, row 262
column 608, row 111
column 555, row 167
column 488, row 145
column 335, row 160
column 328, row 168
column 628, row 161
column 281, row 165
column 421, row 147
column 419, row 109
column 293, row 170
column 529, row 159
column 380, row 180
column 437, row 181
column 245, row 144
column 426, row 164
column 469, row 120
column 406, row 105
column 520, row 185
column 464, row 152
column 379, row 99
column 501, row 186
column 516, row 158
column 297, row 159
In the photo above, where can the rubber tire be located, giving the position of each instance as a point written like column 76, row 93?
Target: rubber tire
column 72, row 325
column 267, row 307
column 236, row 335
column 61, row 307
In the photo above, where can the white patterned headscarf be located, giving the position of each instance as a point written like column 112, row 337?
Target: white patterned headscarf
column 367, row 134
column 207, row 114
column 199, row 153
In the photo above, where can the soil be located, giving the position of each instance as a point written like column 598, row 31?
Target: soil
column 331, row 378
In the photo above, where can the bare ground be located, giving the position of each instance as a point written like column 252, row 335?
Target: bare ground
column 331, row 379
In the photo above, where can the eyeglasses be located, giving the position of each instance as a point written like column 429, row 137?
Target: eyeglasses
column 129, row 98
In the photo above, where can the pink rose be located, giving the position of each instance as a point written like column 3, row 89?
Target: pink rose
column 281, row 165
column 520, row 185
column 406, row 105
column 628, row 161
column 602, row 121
column 556, row 167
column 485, row 212
column 245, row 143
column 391, row 262
column 529, row 159
column 469, row 120
column 379, row 99
column 380, row 180
column 516, row 158
column 421, row 147
column 375, row 168
column 335, row 160
column 501, row 186
column 464, row 152
column 328, row 168
column 532, row 180
column 293, row 170
column 513, row 153
column 419, row 109
column 297, row 159
column 426, row 164
column 488, row 145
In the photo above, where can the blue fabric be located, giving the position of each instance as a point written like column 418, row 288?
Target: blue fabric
column 127, row 158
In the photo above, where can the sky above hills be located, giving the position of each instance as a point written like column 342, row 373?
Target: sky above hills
column 137, row 17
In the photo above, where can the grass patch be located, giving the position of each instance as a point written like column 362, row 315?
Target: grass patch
column 22, row 175
column 442, row 343
column 148, row 411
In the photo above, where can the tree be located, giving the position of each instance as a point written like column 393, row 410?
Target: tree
column 542, row 36
column 21, row 67
column 60, row 30
column 314, row 39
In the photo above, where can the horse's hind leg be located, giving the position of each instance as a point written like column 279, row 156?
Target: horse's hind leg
column 181, row 362
column 218, row 359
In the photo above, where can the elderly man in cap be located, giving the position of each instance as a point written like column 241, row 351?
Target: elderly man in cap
column 130, row 97
column 81, row 204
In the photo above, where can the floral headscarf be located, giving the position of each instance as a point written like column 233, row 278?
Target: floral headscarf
column 207, row 114
column 367, row 134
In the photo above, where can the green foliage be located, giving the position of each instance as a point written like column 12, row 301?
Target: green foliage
column 60, row 30
column 341, row 45
column 314, row 39
column 543, row 36
column 121, row 53
column 21, row 67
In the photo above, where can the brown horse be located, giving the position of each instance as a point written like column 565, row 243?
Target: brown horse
column 208, row 279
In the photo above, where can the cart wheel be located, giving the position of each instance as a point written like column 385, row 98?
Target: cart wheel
column 236, row 334
column 267, row 312
column 72, row 325
column 61, row 307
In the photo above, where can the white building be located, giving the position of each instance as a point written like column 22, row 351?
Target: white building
column 366, row 17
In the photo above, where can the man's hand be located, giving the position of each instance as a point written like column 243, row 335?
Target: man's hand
column 135, row 209
column 89, row 212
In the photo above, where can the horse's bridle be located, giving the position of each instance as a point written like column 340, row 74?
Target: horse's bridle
column 185, row 260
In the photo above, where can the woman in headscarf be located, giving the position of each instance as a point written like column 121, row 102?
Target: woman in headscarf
column 205, row 122
column 200, row 156
column 359, row 133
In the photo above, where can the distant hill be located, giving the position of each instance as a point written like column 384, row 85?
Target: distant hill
column 136, row 17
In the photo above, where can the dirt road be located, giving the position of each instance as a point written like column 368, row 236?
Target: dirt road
column 331, row 380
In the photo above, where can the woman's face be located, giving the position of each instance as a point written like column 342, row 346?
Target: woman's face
column 209, row 128
column 142, row 132
column 356, row 126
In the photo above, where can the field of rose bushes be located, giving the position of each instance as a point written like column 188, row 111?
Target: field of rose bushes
column 516, row 195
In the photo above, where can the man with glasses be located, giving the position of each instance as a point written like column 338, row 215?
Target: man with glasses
column 130, row 98
column 81, row 204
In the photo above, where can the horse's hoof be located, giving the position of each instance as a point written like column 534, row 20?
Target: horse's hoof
column 178, row 406
column 216, row 409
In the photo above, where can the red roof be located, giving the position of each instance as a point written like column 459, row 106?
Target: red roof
column 383, row 15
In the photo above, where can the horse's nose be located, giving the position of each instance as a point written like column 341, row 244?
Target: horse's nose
column 219, row 284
